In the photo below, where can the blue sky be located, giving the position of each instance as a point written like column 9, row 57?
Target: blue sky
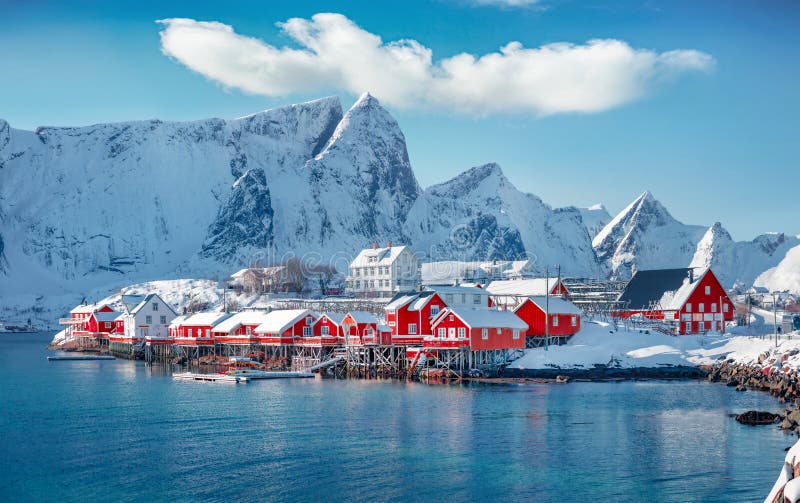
column 719, row 144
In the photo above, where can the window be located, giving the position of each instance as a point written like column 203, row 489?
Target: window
column 434, row 309
column 451, row 332
column 688, row 307
column 555, row 320
column 713, row 307
column 516, row 334
column 372, row 283
column 163, row 320
column 309, row 320
column 485, row 333
column 701, row 308
column 499, row 330
column 725, row 307
column 189, row 331
column 476, row 299
column 148, row 319
column 452, row 317
column 208, row 332
column 574, row 321
column 325, row 330
column 441, row 333
column 412, row 329
column 249, row 330
column 448, row 298
column 155, row 306
column 708, row 290
column 462, row 332
column 463, row 298
column 306, row 331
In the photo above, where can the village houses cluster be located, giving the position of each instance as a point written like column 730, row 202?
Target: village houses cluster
column 475, row 307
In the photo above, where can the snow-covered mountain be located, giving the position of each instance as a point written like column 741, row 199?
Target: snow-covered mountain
column 113, row 204
column 480, row 215
column 785, row 275
column 740, row 262
column 645, row 236
column 595, row 217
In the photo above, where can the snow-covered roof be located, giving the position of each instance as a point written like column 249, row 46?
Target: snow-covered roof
column 385, row 256
column 131, row 301
column 416, row 299
column 106, row 315
column 554, row 305
column 86, row 308
column 239, row 319
column 456, row 290
column 526, row 287
column 450, row 271
column 362, row 317
column 486, row 318
column 276, row 322
column 176, row 322
column 674, row 300
column 205, row 319
column 336, row 318
column 384, row 328
column 148, row 298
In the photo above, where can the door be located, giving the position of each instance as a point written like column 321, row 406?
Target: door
column 451, row 333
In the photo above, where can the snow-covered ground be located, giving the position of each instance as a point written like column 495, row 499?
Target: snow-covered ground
column 599, row 344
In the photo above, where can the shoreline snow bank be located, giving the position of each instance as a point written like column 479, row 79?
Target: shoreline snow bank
column 597, row 344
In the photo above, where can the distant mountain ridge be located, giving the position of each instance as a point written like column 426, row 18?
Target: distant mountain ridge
column 113, row 204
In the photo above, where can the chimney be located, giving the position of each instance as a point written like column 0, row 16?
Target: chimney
column 388, row 244
column 691, row 275
column 375, row 245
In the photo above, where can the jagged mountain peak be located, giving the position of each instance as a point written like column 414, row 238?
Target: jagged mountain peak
column 479, row 179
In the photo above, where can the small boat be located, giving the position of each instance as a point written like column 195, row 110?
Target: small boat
column 17, row 329
column 190, row 376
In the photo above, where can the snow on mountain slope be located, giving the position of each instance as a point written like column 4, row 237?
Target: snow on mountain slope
column 100, row 204
column 785, row 275
column 480, row 215
column 645, row 236
column 595, row 218
column 740, row 262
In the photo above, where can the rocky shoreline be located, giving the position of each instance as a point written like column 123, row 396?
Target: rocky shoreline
column 609, row 373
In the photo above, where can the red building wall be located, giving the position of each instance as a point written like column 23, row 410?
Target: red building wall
column 400, row 320
column 534, row 316
column 504, row 339
column 333, row 329
column 713, row 303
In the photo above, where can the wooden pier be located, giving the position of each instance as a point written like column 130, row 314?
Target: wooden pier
column 59, row 358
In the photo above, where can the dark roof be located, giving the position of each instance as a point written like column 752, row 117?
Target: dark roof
column 647, row 287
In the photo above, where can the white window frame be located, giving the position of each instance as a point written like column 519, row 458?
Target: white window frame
column 713, row 307
column 688, row 307
column 442, row 332
column 434, row 309
column 325, row 330
column 485, row 334
column 708, row 289
column 554, row 322
column 574, row 320
column 307, row 332
column 725, row 307
column 476, row 299
column 155, row 306
column 412, row 329
column 462, row 333
column 701, row 308
column 163, row 319
column 148, row 319
column 515, row 334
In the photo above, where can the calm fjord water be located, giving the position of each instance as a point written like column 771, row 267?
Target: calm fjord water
column 119, row 431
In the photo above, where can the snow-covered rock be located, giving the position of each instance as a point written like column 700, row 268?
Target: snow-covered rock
column 595, row 217
column 740, row 262
column 785, row 275
column 481, row 215
column 645, row 236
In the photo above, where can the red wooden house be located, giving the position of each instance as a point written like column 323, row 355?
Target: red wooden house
column 409, row 315
column 283, row 327
column 362, row 328
column 328, row 328
column 477, row 329
column 79, row 317
column 101, row 323
column 195, row 330
column 691, row 303
column 565, row 317
column 238, row 329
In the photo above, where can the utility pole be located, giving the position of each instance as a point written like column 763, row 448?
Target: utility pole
column 546, row 308
column 775, row 318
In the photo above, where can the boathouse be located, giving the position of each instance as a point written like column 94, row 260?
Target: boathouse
column 329, row 325
column 235, row 335
column 564, row 319
column 686, row 301
column 361, row 328
column 409, row 316
column 477, row 329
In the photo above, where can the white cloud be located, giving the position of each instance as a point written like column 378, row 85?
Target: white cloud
column 334, row 53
